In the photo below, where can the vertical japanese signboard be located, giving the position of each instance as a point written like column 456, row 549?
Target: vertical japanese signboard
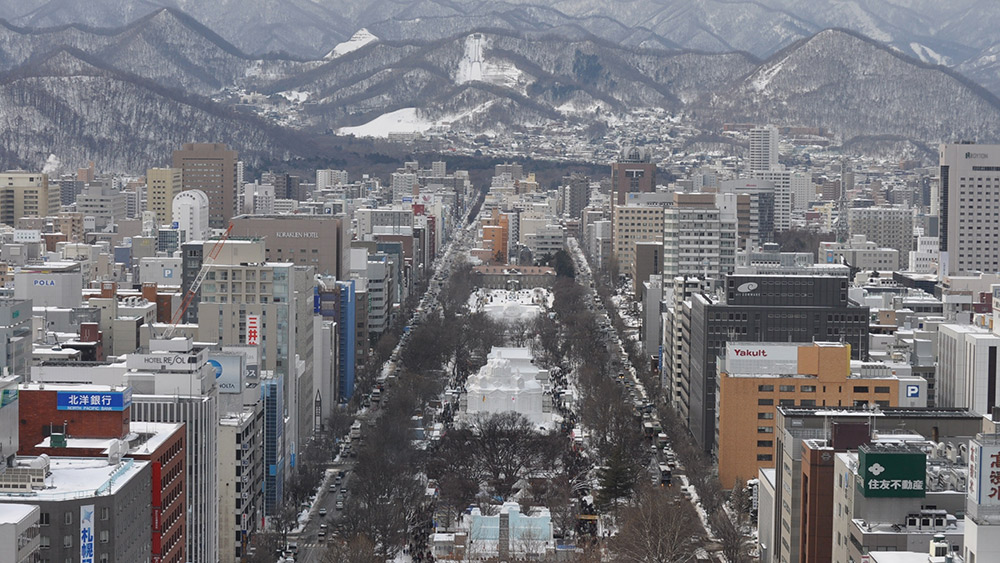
column 87, row 533
column 253, row 330
column 984, row 474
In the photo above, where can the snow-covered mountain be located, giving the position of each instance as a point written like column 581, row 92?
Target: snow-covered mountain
column 165, row 66
column 68, row 104
column 859, row 88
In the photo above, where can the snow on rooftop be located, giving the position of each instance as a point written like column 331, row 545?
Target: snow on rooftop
column 78, row 477
column 12, row 513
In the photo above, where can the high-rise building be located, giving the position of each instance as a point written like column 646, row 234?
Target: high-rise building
column 162, row 185
column 320, row 241
column 635, row 224
column 190, row 212
column 755, row 377
column 104, row 202
column 890, row 227
column 633, row 172
column 763, row 148
column 211, row 168
column 762, row 308
column 27, row 194
column 969, row 208
column 699, row 235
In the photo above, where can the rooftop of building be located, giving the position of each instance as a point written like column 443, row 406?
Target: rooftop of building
column 77, row 387
column 12, row 513
column 912, row 412
column 77, row 478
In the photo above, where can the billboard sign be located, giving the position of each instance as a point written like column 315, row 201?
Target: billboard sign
column 253, row 330
column 984, row 474
column 94, row 400
column 769, row 359
column 229, row 371
column 87, row 533
column 894, row 474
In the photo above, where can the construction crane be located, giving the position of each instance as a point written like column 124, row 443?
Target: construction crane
column 196, row 284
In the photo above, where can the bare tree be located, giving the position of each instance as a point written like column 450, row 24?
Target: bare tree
column 735, row 546
column 507, row 448
column 660, row 526
column 359, row 549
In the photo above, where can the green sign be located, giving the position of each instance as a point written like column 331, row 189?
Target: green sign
column 892, row 473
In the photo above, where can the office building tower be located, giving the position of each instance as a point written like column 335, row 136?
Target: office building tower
column 634, row 172
column 89, row 506
column 763, row 148
column 326, row 179
column 763, row 308
column 190, row 211
column 889, row 227
column 786, row 183
column 104, row 202
column 755, row 377
column 969, row 208
column 700, row 235
column 634, row 224
column 212, row 169
column 162, row 186
column 27, row 194
column 241, row 480
column 337, row 302
column 320, row 241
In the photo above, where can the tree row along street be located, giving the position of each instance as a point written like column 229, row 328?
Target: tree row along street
column 599, row 472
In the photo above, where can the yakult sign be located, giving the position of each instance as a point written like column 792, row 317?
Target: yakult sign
column 750, row 358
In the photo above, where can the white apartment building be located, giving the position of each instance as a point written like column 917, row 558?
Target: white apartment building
column 190, row 212
column 699, row 236
column 786, row 184
column 924, row 260
column 967, row 368
column 763, row 148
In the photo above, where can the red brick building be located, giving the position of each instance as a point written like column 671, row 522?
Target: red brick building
column 95, row 421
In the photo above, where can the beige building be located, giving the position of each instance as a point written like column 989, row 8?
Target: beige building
column 634, row 224
column 26, row 194
column 211, row 168
column 162, row 184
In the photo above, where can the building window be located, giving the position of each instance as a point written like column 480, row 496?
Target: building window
column 104, row 536
column 860, row 388
column 765, row 416
column 880, row 389
column 786, row 388
column 68, row 518
column 807, row 388
column 786, row 402
column 43, row 519
column 764, row 457
column 765, row 402
column 67, row 541
column 765, row 388
column 765, row 430
column 765, row 443
column 105, row 513
column 807, row 403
